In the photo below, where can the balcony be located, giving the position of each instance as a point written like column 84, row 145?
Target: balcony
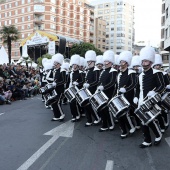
column 38, row 20
column 39, row 28
column 39, row 1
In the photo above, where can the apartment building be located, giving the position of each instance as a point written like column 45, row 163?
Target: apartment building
column 71, row 18
column 119, row 16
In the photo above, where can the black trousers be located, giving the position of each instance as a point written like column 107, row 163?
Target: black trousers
column 89, row 113
column 125, row 123
column 107, row 119
column 57, row 109
column 74, row 109
column 165, row 117
column 146, row 131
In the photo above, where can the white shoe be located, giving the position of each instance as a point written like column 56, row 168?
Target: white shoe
column 83, row 115
column 55, row 119
column 158, row 139
column 111, row 127
column 132, row 130
column 43, row 100
column 77, row 117
column 97, row 121
column 47, row 107
column 73, row 119
column 88, row 124
column 62, row 116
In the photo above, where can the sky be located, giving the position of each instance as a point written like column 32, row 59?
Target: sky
column 147, row 21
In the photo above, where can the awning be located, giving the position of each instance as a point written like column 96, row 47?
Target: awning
column 51, row 37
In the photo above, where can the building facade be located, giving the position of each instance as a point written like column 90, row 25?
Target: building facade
column 119, row 16
column 71, row 18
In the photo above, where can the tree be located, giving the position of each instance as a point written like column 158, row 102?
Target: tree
column 8, row 35
column 82, row 48
column 39, row 60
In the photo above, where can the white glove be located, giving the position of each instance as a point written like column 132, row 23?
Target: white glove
column 151, row 93
column 168, row 87
column 86, row 85
column 135, row 100
column 122, row 90
column 101, row 88
column 54, row 84
column 75, row 83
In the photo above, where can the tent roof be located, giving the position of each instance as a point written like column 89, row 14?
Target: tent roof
column 3, row 56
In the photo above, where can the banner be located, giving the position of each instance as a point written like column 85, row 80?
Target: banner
column 51, row 47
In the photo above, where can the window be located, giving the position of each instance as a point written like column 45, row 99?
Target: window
column 9, row 5
column 23, row 10
column 16, row 53
column 9, row 14
column 10, row 22
column 22, row 35
column 22, row 27
column 23, row 2
column 61, row 21
column 16, row 12
column 16, row 20
column 29, row 18
column 100, row 6
column 29, row 1
column 167, row 13
column 120, row 28
column 16, row 3
column 106, row 5
column 22, row 19
column 28, row 26
column 100, row 12
column 106, row 11
column 112, row 29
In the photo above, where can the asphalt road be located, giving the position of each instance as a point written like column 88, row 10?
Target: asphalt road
column 24, row 123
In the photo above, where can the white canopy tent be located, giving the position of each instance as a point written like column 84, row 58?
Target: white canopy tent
column 3, row 56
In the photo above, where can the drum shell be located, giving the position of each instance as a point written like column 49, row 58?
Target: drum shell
column 148, row 116
column 70, row 93
column 156, row 98
column 118, row 106
column 165, row 101
column 146, row 105
column 99, row 101
column 83, row 96
column 51, row 98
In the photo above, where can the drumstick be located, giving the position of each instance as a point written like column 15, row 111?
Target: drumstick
column 147, row 96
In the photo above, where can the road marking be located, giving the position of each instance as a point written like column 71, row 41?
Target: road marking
column 1, row 114
column 64, row 130
column 150, row 159
column 109, row 165
column 168, row 140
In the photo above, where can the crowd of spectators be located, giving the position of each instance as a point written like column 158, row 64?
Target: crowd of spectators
column 18, row 83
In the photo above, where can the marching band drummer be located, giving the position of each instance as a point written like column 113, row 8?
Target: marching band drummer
column 149, row 79
column 136, row 66
column 92, row 80
column 107, row 83
column 43, row 76
column 126, row 83
column 77, row 80
column 59, row 81
column 157, row 65
column 47, row 67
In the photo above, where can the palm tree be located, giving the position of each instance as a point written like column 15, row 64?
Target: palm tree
column 8, row 35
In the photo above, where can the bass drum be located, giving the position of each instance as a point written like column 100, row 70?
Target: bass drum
column 148, row 116
column 99, row 101
column 118, row 106
column 70, row 93
column 165, row 104
column 83, row 96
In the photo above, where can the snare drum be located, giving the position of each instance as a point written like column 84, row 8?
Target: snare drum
column 99, row 101
column 51, row 98
column 42, row 90
column 82, row 97
column 166, row 101
column 70, row 93
column 147, row 116
column 118, row 106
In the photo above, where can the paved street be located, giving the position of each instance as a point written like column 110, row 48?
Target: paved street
column 27, row 142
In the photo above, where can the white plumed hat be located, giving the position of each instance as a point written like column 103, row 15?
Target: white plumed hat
column 109, row 56
column 44, row 60
column 58, row 58
column 90, row 55
column 82, row 61
column 135, row 61
column 125, row 56
column 65, row 66
column 158, row 60
column 117, row 60
column 75, row 59
column 48, row 65
column 99, row 59
column 147, row 53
